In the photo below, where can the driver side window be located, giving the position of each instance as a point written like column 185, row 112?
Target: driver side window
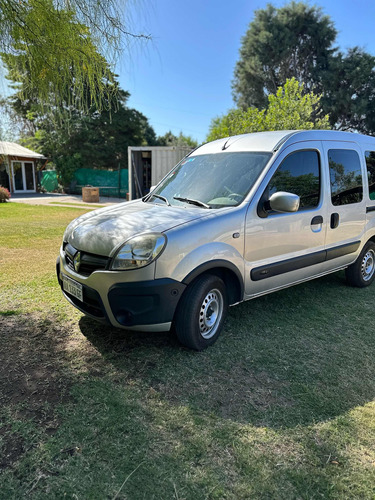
column 299, row 173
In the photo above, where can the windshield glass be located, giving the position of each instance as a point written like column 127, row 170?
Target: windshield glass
column 217, row 180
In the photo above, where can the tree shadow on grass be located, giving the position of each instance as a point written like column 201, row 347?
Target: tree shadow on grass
column 126, row 398
column 33, row 379
column 302, row 355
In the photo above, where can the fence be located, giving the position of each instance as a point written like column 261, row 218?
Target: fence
column 110, row 183
column 48, row 180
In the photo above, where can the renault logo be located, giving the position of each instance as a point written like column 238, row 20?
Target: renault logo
column 77, row 261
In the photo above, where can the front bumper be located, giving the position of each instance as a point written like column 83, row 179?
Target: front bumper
column 147, row 304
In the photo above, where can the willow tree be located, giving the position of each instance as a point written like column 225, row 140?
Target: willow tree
column 64, row 44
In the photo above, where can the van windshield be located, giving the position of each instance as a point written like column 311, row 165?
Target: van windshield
column 211, row 180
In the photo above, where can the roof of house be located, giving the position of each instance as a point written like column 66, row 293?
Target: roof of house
column 13, row 149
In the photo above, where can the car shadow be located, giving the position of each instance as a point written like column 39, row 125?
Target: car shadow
column 301, row 355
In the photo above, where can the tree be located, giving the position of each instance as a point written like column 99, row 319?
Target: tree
column 169, row 139
column 298, row 41
column 293, row 41
column 81, row 136
column 289, row 109
column 349, row 91
column 61, row 45
column 93, row 140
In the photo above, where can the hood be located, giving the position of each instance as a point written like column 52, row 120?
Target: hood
column 101, row 231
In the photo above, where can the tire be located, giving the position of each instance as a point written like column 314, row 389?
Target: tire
column 201, row 312
column 362, row 272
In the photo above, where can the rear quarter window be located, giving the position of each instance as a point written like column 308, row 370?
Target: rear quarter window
column 345, row 176
column 370, row 164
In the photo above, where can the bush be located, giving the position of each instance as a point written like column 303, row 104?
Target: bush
column 4, row 194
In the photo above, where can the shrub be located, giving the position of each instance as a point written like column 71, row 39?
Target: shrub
column 4, row 194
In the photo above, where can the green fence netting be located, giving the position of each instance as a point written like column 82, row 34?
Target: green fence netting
column 110, row 183
column 48, row 180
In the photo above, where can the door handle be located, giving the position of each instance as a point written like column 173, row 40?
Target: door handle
column 318, row 219
column 335, row 219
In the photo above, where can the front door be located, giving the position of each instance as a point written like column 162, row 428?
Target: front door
column 284, row 248
column 23, row 176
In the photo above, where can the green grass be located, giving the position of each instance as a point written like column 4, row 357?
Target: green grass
column 281, row 407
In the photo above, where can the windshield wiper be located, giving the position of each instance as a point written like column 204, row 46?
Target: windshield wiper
column 158, row 196
column 192, row 202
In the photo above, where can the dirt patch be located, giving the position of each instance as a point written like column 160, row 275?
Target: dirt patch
column 33, row 379
column 12, row 447
column 31, row 365
column 40, row 359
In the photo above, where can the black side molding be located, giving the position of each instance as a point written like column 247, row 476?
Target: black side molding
column 333, row 253
column 285, row 266
column 370, row 209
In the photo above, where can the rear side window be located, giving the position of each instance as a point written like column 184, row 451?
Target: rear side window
column 299, row 174
column 345, row 176
column 370, row 163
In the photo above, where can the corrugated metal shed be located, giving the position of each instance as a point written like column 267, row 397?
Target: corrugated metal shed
column 165, row 159
column 161, row 160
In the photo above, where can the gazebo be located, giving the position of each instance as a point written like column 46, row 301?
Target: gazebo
column 18, row 168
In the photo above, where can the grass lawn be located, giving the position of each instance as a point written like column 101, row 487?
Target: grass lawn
column 282, row 407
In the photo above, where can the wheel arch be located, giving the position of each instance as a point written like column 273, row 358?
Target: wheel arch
column 225, row 270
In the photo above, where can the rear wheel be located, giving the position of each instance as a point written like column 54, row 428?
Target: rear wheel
column 201, row 312
column 362, row 272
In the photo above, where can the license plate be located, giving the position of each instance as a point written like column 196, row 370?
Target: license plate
column 73, row 287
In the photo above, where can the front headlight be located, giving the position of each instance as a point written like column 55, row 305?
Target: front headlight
column 138, row 251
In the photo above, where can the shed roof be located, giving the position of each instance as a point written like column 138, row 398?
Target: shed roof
column 13, row 149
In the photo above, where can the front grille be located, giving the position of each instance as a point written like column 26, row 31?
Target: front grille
column 88, row 261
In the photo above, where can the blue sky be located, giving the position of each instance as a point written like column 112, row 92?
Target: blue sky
column 182, row 79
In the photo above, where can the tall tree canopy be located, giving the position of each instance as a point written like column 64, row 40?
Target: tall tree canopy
column 293, row 41
column 289, row 109
column 297, row 40
column 349, row 91
column 64, row 44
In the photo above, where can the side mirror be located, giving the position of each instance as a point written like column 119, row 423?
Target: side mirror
column 152, row 188
column 284, row 202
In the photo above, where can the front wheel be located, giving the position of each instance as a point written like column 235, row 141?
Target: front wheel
column 201, row 312
column 362, row 272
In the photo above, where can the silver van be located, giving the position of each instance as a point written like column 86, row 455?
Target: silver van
column 237, row 218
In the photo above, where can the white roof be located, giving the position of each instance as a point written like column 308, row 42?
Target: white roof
column 272, row 141
column 159, row 148
column 13, row 149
